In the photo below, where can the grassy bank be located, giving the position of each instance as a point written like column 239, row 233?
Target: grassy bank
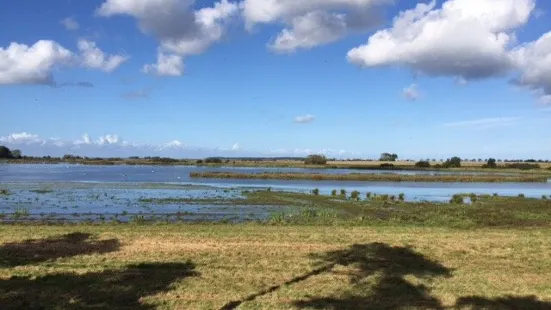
column 371, row 177
column 273, row 267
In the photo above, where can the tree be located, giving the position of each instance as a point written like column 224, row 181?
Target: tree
column 422, row 164
column 388, row 157
column 16, row 154
column 315, row 160
column 491, row 163
column 5, row 152
column 454, row 162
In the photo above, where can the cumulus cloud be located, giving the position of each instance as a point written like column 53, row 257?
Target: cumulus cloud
column 180, row 30
column 167, row 65
column 35, row 64
column 23, row 64
column 108, row 139
column 484, row 123
column 92, row 57
column 468, row 39
column 411, row 92
column 533, row 60
column 312, row 23
column 70, row 23
column 235, row 147
column 304, row 119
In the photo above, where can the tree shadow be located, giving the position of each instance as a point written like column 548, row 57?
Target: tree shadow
column 502, row 303
column 113, row 289
column 40, row 250
column 388, row 265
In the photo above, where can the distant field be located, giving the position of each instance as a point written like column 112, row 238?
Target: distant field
column 490, row 178
column 273, row 267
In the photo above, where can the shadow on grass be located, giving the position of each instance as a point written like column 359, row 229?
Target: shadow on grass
column 41, row 250
column 502, row 303
column 103, row 290
column 378, row 279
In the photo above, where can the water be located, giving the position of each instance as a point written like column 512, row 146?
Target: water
column 81, row 192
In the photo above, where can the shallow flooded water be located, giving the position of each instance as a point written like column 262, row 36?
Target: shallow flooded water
column 119, row 193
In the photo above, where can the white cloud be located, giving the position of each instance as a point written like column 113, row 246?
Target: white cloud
column 22, row 137
column 167, row 65
column 92, row 57
column 174, row 144
column 411, row 92
column 70, row 23
column 235, row 147
column 108, row 139
column 180, row 30
column 485, row 123
column 23, row 64
column 465, row 38
column 305, row 119
column 312, row 23
column 533, row 60
column 84, row 140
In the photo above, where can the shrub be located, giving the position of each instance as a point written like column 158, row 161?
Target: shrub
column 368, row 195
column 521, row 196
column 401, row 197
column 522, row 166
column 315, row 160
column 457, row 199
column 199, row 161
column 355, row 195
column 316, row 191
column 392, row 198
column 496, row 195
column 422, row 164
column 388, row 157
column 473, row 197
column 386, row 166
column 343, row 192
column 334, row 192
column 454, row 162
column 543, row 197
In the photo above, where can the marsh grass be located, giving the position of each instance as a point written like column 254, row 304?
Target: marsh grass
column 490, row 178
column 4, row 192
column 41, row 191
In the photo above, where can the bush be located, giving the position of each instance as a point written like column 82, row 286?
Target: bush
column 355, row 195
column 496, row 195
column 522, row 166
column 386, row 166
column 343, row 192
column 543, row 197
column 316, row 191
column 521, row 196
column 457, row 199
column 334, row 193
column 401, row 197
column 199, row 161
column 454, row 162
column 315, row 160
column 368, row 195
column 473, row 197
column 422, row 164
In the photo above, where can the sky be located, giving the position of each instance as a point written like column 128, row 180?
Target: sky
column 343, row 78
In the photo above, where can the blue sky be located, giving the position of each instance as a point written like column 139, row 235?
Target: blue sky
column 461, row 77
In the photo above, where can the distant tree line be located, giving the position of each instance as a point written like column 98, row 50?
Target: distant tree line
column 9, row 154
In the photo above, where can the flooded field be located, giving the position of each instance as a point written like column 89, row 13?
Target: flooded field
column 142, row 193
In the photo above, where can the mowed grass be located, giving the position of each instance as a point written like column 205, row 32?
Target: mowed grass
column 253, row 266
